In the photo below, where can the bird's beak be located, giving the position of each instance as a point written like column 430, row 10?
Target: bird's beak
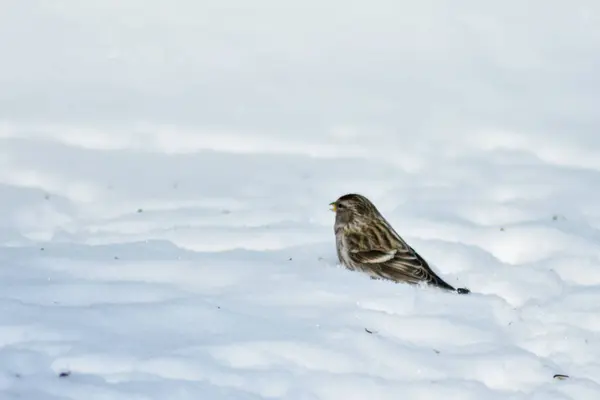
column 333, row 206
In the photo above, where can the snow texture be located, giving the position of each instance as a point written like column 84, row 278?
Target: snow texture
column 166, row 170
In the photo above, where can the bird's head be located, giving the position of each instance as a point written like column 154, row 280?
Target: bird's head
column 352, row 208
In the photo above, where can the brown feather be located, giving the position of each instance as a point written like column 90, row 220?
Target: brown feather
column 367, row 242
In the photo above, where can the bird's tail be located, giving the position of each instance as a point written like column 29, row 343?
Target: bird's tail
column 436, row 280
column 439, row 282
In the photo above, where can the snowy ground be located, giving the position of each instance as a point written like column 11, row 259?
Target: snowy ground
column 165, row 174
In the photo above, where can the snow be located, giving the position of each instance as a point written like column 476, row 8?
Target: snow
column 166, row 170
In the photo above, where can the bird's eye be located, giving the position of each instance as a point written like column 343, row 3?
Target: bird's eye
column 339, row 206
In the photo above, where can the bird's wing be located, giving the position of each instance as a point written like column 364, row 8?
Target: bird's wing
column 372, row 256
column 407, row 265
column 367, row 249
column 391, row 258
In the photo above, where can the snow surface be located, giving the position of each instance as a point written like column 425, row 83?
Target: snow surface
column 165, row 174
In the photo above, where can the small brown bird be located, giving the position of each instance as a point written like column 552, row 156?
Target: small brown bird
column 366, row 242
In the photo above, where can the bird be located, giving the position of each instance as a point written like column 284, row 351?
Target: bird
column 365, row 241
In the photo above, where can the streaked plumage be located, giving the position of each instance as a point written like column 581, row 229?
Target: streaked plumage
column 366, row 242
